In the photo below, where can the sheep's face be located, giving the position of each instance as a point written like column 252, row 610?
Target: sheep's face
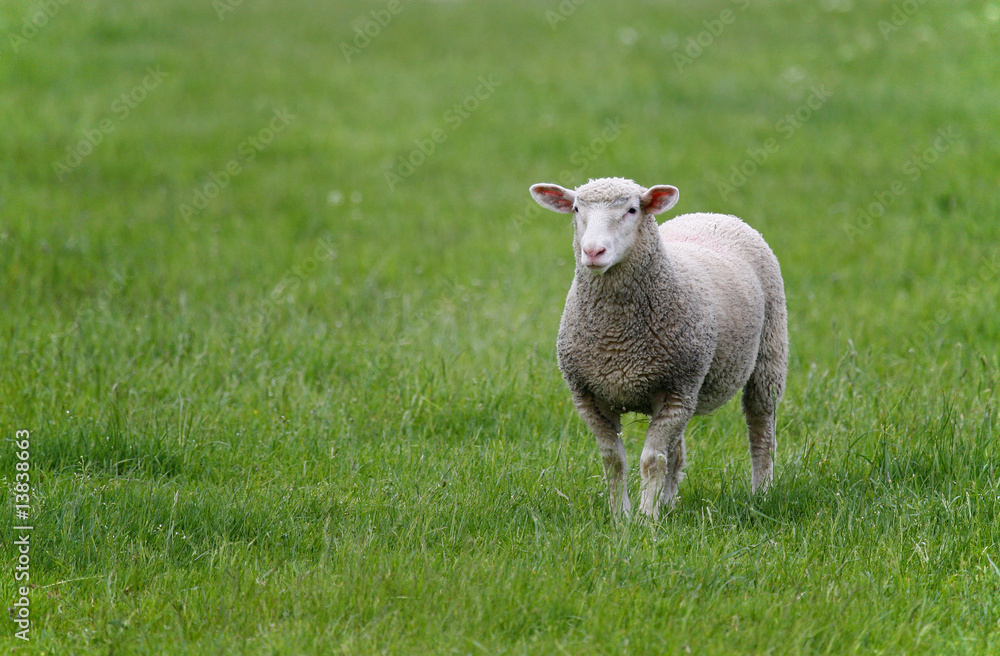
column 605, row 225
column 605, row 231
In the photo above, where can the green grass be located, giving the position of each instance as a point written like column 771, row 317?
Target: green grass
column 320, row 415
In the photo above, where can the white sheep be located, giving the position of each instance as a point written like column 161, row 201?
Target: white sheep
column 668, row 321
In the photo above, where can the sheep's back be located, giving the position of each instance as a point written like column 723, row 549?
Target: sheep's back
column 720, row 233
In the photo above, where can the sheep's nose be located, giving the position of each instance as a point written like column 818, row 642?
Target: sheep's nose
column 594, row 252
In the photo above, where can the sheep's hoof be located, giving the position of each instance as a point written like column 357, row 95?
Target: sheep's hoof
column 650, row 509
column 620, row 518
column 622, row 512
column 760, row 483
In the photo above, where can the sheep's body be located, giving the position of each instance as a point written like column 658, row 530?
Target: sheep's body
column 668, row 321
column 693, row 319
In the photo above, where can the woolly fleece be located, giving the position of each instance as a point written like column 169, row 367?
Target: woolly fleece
column 692, row 313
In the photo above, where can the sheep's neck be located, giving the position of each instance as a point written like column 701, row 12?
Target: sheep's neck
column 625, row 286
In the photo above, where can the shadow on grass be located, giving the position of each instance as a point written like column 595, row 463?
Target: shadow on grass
column 111, row 445
column 868, row 473
column 109, row 450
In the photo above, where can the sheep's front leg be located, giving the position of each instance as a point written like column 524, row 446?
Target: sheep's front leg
column 606, row 426
column 662, row 460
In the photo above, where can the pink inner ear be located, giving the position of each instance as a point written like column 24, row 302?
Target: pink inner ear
column 658, row 198
column 556, row 197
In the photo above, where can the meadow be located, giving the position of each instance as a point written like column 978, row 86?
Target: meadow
column 278, row 318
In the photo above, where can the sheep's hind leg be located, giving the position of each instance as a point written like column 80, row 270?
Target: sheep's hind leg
column 759, row 405
column 605, row 424
column 763, row 392
column 762, row 447
column 662, row 461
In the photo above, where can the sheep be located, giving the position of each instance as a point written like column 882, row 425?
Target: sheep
column 667, row 321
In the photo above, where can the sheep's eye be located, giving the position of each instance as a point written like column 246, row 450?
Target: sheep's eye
column 632, row 210
column 575, row 210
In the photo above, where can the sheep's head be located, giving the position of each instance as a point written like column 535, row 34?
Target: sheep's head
column 606, row 216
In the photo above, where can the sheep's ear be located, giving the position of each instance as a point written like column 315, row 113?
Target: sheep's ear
column 553, row 197
column 659, row 199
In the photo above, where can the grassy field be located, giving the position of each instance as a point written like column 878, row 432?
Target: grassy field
column 278, row 316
